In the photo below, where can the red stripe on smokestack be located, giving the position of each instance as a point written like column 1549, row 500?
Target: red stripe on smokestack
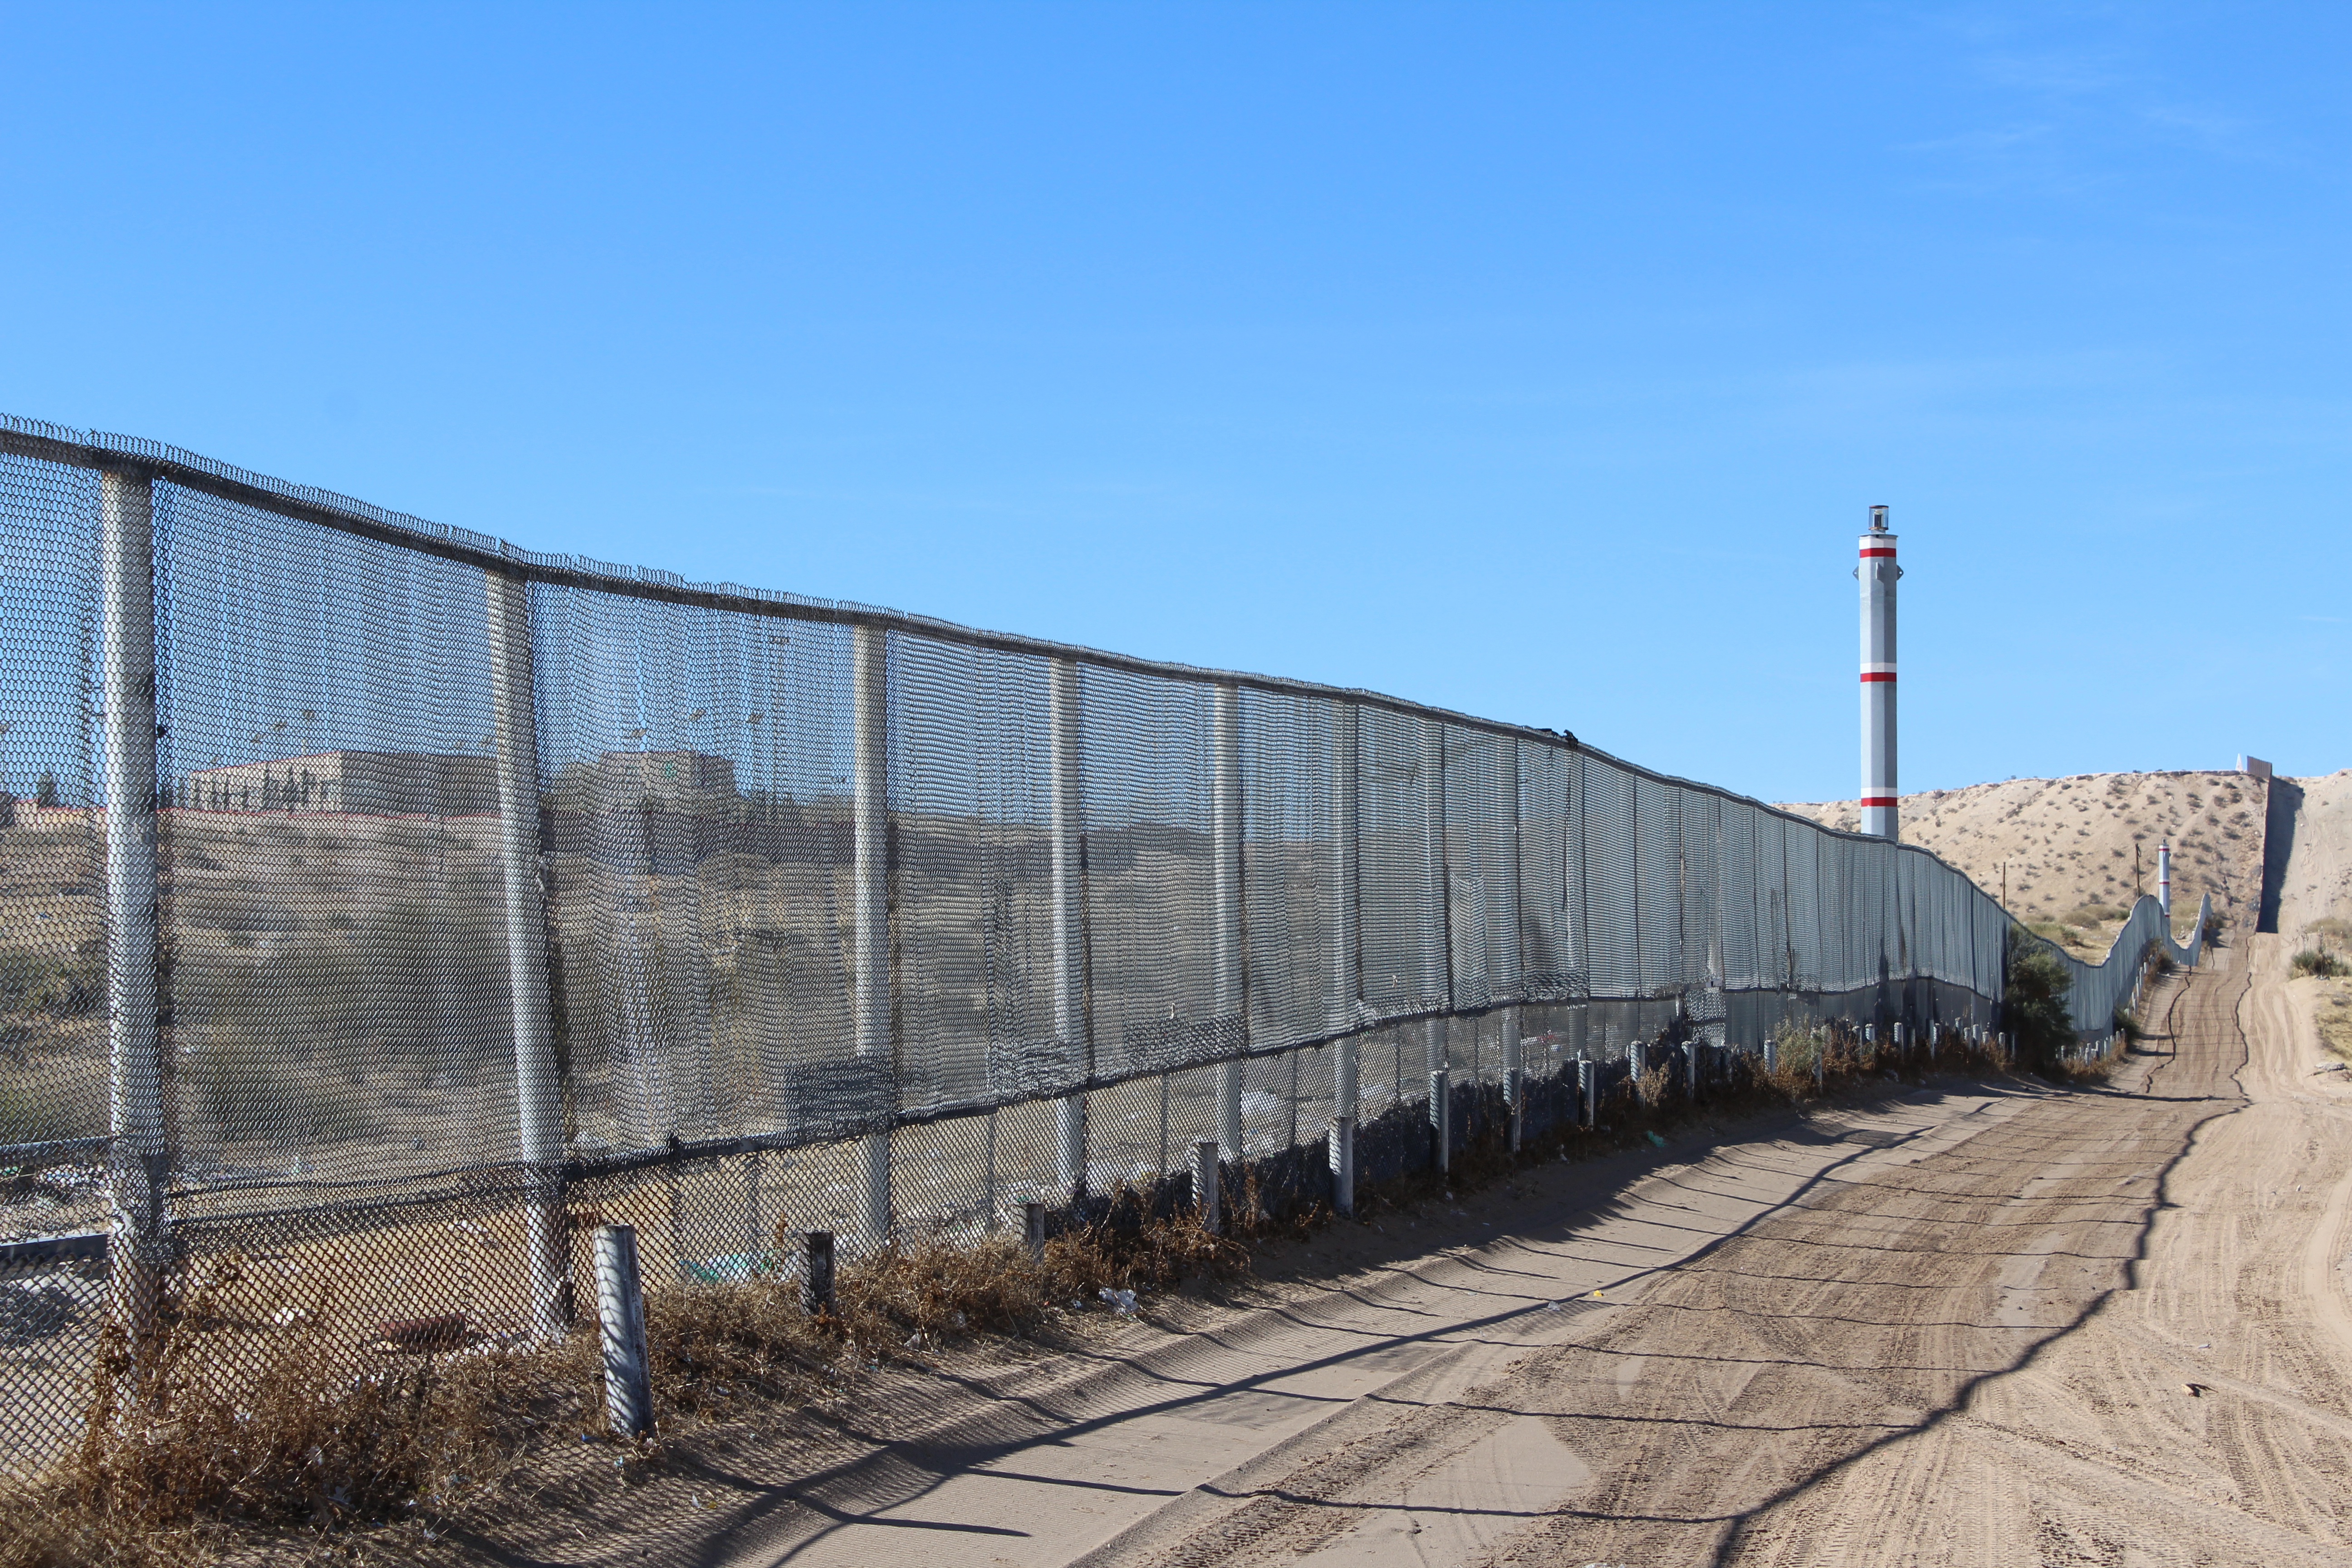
column 1878, row 675
column 1877, row 800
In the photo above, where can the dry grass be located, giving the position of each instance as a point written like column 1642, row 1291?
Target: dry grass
column 244, row 1418
column 235, row 1413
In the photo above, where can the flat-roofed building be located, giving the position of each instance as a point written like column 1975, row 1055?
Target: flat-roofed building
column 368, row 783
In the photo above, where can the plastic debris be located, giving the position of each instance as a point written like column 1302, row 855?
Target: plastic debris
column 1655, row 1139
column 1121, row 1301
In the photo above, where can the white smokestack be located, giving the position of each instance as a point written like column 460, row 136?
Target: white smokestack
column 2164, row 879
column 1878, row 571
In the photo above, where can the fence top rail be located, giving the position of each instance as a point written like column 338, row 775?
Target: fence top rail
column 109, row 452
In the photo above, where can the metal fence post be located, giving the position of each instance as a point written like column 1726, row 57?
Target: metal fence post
column 870, row 741
column 1514, row 953
column 621, row 1315
column 1225, row 822
column 138, row 1161
column 1587, row 1090
column 1070, row 1024
column 539, row 1087
column 1346, row 950
column 1205, row 1184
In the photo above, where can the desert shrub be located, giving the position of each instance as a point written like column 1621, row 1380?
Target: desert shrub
column 2033, row 1003
column 2128, row 1025
column 2319, row 962
column 2093, row 914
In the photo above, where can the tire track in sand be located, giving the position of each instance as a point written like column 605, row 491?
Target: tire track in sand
column 1970, row 1357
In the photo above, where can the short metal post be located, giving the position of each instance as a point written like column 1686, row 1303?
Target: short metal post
column 1032, row 1229
column 1514, row 1072
column 1441, row 1116
column 1230, row 1001
column 1070, row 1031
column 621, row 1314
column 870, row 759
column 816, row 1272
column 1771, row 1057
column 539, row 1087
column 1637, row 1062
column 1902, row 1047
column 1205, row 1184
column 138, row 1162
column 1587, row 1090
column 1343, row 1164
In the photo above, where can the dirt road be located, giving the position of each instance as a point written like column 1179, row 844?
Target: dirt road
column 1961, row 1327
column 1984, row 1355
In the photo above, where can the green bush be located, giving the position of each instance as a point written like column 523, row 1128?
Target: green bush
column 2320, row 961
column 2033, row 1003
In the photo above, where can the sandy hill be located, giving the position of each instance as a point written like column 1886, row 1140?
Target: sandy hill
column 2066, row 846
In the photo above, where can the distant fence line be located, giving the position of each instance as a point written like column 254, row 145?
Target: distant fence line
column 366, row 865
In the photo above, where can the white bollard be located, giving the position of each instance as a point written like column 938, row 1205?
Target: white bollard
column 1204, row 1186
column 621, row 1313
column 1441, row 1115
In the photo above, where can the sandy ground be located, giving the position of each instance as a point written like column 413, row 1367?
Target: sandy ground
column 1970, row 1323
column 2318, row 881
column 1975, row 1323
column 2069, row 842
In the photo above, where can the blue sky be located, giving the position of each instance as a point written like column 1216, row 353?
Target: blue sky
column 1538, row 362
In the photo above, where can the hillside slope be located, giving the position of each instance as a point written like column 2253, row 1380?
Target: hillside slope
column 2066, row 846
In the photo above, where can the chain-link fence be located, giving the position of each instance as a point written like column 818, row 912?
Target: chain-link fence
column 382, row 903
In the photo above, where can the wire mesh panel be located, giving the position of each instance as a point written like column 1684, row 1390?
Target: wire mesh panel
column 1288, row 856
column 1151, row 899
column 495, row 895
column 329, row 867
column 53, row 956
